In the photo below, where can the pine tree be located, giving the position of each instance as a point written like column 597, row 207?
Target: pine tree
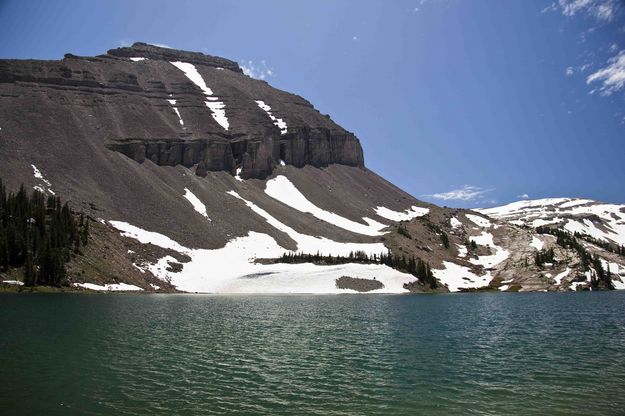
column 445, row 240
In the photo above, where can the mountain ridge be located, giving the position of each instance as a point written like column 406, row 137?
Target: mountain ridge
column 194, row 173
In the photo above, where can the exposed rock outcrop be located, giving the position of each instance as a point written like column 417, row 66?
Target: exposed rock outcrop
column 134, row 100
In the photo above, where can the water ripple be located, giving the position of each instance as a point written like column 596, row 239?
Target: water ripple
column 474, row 354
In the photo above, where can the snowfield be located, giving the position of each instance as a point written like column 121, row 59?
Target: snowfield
column 572, row 212
column 231, row 269
column 479, row 221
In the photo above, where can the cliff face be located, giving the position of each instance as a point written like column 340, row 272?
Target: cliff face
column 174, row 108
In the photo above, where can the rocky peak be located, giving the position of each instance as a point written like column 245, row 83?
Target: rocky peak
column 144, row 50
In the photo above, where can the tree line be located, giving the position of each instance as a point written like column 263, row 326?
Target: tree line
column 415, row 266
column 38, row 234
column 599, row 278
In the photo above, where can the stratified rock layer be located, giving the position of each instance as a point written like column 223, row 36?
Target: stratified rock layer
column 126, row 105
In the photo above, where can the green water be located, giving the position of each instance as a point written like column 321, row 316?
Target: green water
column 464, row 354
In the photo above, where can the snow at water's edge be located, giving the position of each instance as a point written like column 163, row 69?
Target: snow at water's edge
column 113, row 287
column 231, row 269
column 457, row 277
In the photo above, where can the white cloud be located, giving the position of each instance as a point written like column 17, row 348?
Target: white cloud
column 355, row 38
column 569, row 71
column 604, row 10
column 523, row 196
column 256, row 70
column 465, row 193
column 612, row 77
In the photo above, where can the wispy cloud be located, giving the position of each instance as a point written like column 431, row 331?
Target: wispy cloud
column 256, row 70
column 603, row 10
column 611, row 77
column 464, row 193
column 523, row 196
column 569, row 71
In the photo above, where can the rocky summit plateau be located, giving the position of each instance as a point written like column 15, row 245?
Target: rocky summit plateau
column 198, row 178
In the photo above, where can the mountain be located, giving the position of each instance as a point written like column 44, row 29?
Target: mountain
column 198, row 178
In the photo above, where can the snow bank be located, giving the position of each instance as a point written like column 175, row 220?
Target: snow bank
column 197, row 204
column 456, row 277
column 137, row 59
column 114, row 287
column 217, row 107
column 281, row 189
column 410, row 213
column 277, row 121
column 231, row 269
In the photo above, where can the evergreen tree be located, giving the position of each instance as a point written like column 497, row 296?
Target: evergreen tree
column 445, row 240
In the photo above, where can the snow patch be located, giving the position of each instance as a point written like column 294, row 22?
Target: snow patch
column 311, row 244
column 47, row 186
column 501, row 254
column 217, row 107
column 457, row 277
column 558, row 278
column 197, row 204
column 281, row 189
column 537, row 243
column 137, row 59
column 410, row 213
column 237, row 176
column 277, row 121
column 462, row 250
column 479, row 221
column 173, row 104
column 455, row 223
column 13, row 282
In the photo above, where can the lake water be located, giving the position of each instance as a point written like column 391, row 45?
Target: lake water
column 464, row 354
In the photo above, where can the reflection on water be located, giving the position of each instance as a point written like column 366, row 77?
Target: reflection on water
column 543, row 353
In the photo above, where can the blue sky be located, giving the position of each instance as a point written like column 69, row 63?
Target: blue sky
column 462, row 103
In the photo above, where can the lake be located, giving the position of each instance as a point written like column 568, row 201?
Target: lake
column 464, row 354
